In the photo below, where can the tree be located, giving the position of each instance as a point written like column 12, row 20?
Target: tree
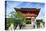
column 19, row 19
column 9, row 20
column 15, row 18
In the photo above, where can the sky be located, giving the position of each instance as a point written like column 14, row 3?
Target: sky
column 17, row 4
column 28, row 0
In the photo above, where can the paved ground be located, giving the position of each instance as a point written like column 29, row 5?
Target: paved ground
column 28, row 26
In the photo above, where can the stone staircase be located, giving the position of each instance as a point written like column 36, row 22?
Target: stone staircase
column 27, row 26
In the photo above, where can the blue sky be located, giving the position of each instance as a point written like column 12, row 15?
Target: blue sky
column 13, row 4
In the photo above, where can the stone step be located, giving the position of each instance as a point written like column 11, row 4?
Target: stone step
column 28, row 26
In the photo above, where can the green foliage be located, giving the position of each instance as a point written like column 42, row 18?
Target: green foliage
column 19, row 18
column 19, row 15
column 38, row 22
column 15, row 18
column 9, row 21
